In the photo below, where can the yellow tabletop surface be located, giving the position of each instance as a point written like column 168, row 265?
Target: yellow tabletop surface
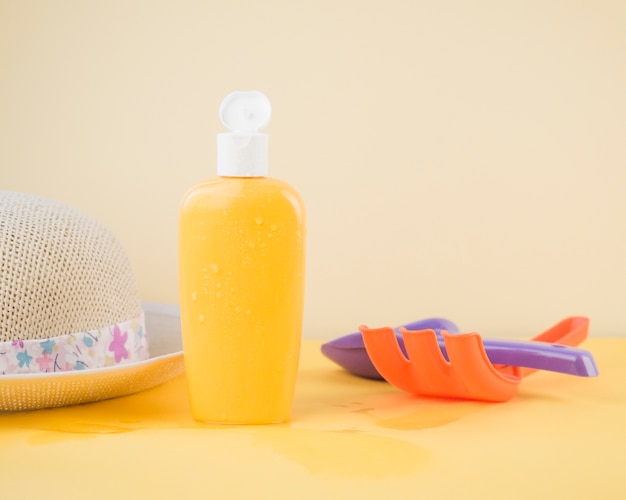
column 560, row 437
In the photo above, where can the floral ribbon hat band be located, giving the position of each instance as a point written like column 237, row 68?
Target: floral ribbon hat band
column 122, row 343
column 72, row 325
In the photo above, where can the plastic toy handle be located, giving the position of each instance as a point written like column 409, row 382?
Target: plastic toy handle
column 535, row 355
column 571, row 331
column 547, row 351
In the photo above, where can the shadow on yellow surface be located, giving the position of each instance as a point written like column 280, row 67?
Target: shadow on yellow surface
column 561, row 434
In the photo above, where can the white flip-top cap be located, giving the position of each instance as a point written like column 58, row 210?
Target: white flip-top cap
column 242, row 152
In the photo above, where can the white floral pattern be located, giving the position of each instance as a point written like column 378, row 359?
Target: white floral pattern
column 123, row 343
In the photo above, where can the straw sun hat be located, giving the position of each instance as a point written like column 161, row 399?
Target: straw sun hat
column 72, row 326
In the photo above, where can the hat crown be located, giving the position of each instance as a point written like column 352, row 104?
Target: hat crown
column 61, row 271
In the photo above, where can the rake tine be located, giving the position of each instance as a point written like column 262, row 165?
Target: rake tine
column 481, row 379
column 384, row 351
column 434, row 376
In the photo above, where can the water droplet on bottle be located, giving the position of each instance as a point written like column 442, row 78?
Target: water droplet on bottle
column 194, row 295
column 215, row 268
column 258, row 221
column 201, row 318
column 274, row 227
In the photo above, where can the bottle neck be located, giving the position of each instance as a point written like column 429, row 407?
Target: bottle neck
column 242, row 155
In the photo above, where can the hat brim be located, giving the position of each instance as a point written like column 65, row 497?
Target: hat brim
column 35, row 391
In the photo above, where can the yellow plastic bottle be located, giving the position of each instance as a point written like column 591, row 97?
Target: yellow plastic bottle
column 241, row 273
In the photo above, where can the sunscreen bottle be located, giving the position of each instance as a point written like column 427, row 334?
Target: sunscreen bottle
column 241, row 277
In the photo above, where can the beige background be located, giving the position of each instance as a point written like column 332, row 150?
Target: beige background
column 460, row 159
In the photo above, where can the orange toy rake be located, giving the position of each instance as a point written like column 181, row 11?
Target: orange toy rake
column 463, row 366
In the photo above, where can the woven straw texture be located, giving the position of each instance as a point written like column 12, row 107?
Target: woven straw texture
column 61, row 271
column 76, row 387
